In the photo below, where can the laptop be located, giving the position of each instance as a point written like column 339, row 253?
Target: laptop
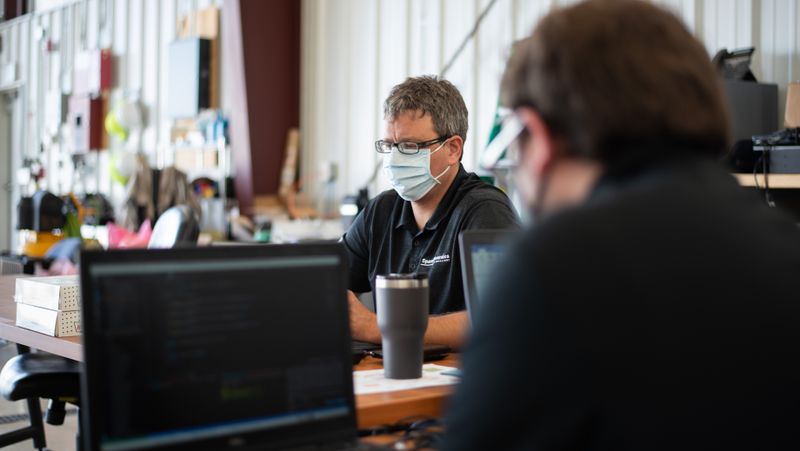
column 481, row 251
column 217, row 348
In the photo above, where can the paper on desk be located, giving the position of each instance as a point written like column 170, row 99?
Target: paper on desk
column 372, row 381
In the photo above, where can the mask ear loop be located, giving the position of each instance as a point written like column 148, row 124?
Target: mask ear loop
column 440, row 146
column 436, row 179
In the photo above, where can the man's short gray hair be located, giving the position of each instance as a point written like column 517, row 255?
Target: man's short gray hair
column 432, row 95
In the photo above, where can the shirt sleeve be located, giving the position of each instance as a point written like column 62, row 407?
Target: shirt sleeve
column 356, row 242
column 491, row 214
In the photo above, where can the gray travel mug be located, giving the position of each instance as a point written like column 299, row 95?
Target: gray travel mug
column 401, row 302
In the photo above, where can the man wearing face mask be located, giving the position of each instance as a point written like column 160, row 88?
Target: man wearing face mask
column 654, row 303
column 414, row 227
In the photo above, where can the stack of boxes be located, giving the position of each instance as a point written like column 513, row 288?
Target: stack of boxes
column 50, row 305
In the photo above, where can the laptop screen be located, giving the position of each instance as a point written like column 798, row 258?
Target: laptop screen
column 485, row 257
column 210, row 349
column 481, row 252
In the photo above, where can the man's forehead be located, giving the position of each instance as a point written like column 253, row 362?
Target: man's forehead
column 410, row 122
column 409, row 114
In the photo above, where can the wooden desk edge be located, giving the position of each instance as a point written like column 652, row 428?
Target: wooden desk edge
column 429, row 402
column 69, row 347
column 776, row 181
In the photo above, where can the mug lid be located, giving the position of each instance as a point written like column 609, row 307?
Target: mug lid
column 403, row 276
column 413, row 280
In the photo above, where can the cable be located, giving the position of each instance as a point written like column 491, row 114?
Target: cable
column 466, row 40
column 406, row 424
column 763, row 161
column 764, row 164
column 755, row 170
column 420, row 435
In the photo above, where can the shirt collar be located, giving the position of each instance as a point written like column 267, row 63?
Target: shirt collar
column 407, row 219
column 621, row 175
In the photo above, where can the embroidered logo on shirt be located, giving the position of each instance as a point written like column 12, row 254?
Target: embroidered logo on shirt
column 438, row 259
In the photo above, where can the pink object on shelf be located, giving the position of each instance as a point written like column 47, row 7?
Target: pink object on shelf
column 122, row 238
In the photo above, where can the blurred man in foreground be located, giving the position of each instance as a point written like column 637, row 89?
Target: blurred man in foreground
column 653, row 306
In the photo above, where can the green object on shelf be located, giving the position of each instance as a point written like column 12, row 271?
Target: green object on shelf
column 72, row 226
column 263, row 235
column 497, row 125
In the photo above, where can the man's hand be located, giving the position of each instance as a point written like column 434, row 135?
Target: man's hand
column 449, row 330
column 363, row 323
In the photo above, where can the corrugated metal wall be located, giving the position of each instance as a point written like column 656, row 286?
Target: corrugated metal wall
column 138, row 33
column 355, row 50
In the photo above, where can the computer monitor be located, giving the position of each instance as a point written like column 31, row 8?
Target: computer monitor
column 216, row 348
column 753, row 108
column 481, row 251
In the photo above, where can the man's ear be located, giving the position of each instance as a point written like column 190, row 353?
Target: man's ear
column 455, row 148
column 541, row 148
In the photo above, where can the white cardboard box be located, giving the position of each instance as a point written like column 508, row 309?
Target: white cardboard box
column 51, row 322
column 54, row 293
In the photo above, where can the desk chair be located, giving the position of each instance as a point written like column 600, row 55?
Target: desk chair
column 31, row 376
column 178, row 226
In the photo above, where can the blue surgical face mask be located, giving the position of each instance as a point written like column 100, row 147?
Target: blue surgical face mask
column 410, row 175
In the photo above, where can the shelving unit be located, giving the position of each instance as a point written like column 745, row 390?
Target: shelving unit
column 12, row 87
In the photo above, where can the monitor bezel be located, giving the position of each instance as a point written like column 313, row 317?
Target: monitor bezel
column 339, row 429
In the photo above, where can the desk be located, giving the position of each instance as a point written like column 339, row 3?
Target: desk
column 776, row 181
column 373, row 410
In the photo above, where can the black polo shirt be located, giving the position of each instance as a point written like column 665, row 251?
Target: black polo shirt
column 384, row 238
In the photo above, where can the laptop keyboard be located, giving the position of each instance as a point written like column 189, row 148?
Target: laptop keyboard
column 356, row 446
column 361, row 349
